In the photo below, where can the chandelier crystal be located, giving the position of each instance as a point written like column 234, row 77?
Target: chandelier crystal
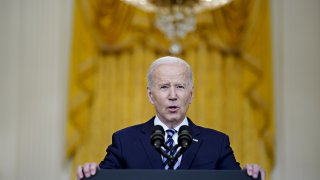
column 176, row 18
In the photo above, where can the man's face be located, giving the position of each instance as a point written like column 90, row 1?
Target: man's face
column 170, row 93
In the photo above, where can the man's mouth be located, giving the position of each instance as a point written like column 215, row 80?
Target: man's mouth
column 173, row 108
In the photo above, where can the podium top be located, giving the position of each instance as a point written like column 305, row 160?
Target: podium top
column 132, row 174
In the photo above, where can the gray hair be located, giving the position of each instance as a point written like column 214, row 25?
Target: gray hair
column 167, row 60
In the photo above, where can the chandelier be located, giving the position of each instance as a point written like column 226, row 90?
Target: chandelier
column 176, row 18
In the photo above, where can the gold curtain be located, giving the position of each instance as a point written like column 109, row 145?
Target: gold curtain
column 230, row 54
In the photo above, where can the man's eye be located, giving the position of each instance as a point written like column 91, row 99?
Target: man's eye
column 180, row 87
column 163, row 87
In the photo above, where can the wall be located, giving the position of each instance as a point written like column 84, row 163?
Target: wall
column 34, row 46
column 296, row 45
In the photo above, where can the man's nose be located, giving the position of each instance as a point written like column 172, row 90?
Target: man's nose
column 172, row 94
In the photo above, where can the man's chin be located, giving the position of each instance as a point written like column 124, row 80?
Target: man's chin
column 174, row 119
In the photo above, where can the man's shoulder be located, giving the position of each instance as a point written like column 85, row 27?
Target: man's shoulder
column 134, row 128
column 131, row 128
column 209, row 132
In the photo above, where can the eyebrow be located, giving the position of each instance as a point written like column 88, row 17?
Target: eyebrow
column 175, row 84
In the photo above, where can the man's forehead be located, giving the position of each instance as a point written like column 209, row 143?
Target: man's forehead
column 163, row 82
column 178, row 79
column 171, row 69
column 170, row 75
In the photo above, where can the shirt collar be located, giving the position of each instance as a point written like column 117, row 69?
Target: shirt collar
column 158, row 122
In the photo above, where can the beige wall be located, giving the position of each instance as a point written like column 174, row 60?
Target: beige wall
column 296, row 45
column 34, row 47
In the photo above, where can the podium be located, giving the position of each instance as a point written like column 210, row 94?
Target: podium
column 121, row 174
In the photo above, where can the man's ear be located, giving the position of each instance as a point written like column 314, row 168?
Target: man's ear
column 150, row 95
column 191, row 95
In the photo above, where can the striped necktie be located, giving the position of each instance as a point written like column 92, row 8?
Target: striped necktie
column 170, row 143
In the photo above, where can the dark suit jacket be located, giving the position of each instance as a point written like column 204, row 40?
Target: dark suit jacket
column 131, row 149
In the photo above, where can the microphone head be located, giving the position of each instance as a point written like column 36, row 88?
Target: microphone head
column 157, row 136
column 185, row 136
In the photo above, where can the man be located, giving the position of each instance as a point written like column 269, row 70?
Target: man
column 170, row 90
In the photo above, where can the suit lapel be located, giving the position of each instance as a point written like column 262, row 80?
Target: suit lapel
column 191, row 152
column 152, row 154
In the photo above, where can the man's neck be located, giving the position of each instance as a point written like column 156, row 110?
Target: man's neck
column 167, row 125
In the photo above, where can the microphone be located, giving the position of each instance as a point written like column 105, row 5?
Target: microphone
column 157, row 136
column 184, row 136
column 184, row 141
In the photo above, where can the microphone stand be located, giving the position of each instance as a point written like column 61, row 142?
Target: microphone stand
column 172, row 159
column 178, row 154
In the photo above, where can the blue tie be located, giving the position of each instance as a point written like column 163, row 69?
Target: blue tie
column 170, row 143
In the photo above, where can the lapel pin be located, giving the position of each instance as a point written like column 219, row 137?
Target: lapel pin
column 195, row 140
